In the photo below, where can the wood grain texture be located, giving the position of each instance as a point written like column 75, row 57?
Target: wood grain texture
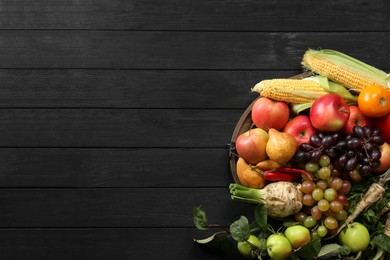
column 116, row 127
column 103, row 244
column 135, row 167
column 182, row 50
column 85, row 88
column 226, row 15
column 119, row 207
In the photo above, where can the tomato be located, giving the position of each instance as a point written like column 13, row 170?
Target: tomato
column 374, row 101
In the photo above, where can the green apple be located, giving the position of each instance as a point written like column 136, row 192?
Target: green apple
column 246, row 249
column 355, row 236
column 278, row 247
column 298, row 235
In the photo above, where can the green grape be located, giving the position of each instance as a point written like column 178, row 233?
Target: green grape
column 324, row 161
column 323, row 205
column 322, row 231
column 336, row 183
column 330, row 194
column 324, row 173
column 309, row 222
column 317, row 194
column 312, row 167
column 322, row 184
column 331, row 223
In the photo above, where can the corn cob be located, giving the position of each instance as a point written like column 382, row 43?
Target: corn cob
column 345, row 70
column 294, row 91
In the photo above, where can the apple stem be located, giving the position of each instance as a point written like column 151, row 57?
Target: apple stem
column 344, row 110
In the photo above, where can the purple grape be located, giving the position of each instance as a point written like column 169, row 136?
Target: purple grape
column 354, row 143
column 368, row 131
column 365, row 170
column 342, row 160
column 376, row 154
column 341, row 145
column 359, row 132
column 305, row 147
column 351, row 164
column 369, row 147
column 315, row 141
column 316, row 155
column 376, row 131
column 377, row 140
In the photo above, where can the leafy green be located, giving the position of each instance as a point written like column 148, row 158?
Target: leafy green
column 381, row 241
column 309, row 250
column 261, row 217
column 200, row 218
column 330, row 251
column 240, row 230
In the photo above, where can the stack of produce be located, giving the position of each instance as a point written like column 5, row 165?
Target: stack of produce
column 317, row 159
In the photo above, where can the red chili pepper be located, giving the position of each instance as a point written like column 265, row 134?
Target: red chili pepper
column 280, row 176
column 294, row 170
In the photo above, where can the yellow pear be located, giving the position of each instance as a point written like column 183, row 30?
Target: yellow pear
column 281, row 146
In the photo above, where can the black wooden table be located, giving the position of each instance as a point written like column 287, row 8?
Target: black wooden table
column 114, row 115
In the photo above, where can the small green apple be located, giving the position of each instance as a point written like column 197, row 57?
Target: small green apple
column 355, row 236
column 246, row 249
column 298, row 235
column 278, row 247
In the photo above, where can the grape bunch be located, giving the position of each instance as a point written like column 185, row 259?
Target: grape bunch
column 325, row 199
column 355, row 154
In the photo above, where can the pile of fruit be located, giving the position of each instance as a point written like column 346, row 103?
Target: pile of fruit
column 316, row 163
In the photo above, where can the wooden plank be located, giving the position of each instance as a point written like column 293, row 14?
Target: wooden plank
column 239, row 15
column 135, row 167
column 181, row 50
column 116, row 127
column 103, row 244
column 119, row 207
column 73, row 88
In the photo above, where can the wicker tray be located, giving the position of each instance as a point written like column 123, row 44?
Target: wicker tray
column 243, row 125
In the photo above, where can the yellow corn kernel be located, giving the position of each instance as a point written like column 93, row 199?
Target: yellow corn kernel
column 343, row 69
column 294, row 91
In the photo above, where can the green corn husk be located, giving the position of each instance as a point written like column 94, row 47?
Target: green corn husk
column 330, row 87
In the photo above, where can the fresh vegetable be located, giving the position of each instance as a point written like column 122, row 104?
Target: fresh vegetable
column 286, row 174
column 374, row 101
column 387, row 225
column 344, row 69
column 280, row 198
column 249, row 175
column 295, row 91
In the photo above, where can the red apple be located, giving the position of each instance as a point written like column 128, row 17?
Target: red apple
column 251, row 145
column 356, row 117
column 329, row 113
column 300, row 128
column 385, row 158
column 267, row 113
column 384, row 124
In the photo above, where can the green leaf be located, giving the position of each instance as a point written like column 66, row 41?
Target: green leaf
column 330, row 251
column 309, row 250
column 200, row 218
column 382, row 241
column 240, row 229
column 261, row 217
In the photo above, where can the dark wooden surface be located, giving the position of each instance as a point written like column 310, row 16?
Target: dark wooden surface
column 114, row 115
